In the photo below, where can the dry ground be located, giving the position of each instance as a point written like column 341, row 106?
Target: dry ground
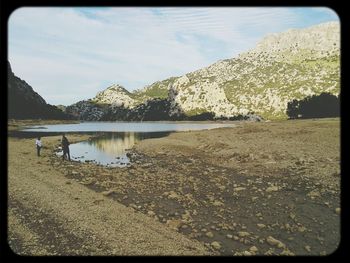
column 49, row 214
column 269, row 188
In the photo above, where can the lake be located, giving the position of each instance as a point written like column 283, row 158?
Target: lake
column 127, row 127
column 111, row 141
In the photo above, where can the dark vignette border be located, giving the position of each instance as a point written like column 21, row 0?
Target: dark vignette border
column 8, row 6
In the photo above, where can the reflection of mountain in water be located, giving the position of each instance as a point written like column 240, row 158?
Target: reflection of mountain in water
column 115, row 144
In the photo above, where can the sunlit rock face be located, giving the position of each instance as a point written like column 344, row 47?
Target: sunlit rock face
column 116, row 95
column 282, row 67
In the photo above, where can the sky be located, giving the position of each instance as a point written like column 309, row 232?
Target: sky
column 69, row 54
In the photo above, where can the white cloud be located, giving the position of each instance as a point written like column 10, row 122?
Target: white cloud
column 69, row 54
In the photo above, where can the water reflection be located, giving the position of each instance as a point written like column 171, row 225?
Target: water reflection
column 109, row 149
column 114, row 144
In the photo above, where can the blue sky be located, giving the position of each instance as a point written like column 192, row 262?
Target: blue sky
column 70, row 54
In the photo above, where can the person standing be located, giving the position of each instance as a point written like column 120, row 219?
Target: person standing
column 38, row 145
column 65, row 147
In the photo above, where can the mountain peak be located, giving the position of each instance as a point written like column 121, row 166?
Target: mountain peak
column 282, row 67
column 116, row 95
column 317, row 41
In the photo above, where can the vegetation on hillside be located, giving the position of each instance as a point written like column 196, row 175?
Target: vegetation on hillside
column 324, row 105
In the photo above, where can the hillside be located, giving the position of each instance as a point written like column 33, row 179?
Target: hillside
column 25, row 103
column 282, row 67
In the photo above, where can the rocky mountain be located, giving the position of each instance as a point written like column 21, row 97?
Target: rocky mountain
column 25, row 103
column 115, row 95
column 282, row 67
column 61, row 107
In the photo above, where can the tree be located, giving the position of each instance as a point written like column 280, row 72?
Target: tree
column 324, row 105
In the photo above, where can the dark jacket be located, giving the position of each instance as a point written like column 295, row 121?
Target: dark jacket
column 65, row 143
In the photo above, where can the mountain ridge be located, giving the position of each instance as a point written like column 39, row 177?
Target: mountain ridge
column 282, row 67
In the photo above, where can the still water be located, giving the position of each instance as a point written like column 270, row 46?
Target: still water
column 112, row 140
column 109, row 149
column 128, row 127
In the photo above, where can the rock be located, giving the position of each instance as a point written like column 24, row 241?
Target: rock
column 151, row 213
column 301, row 229
column 287, row 252
column 243, row 234
column 261, row 225
column 229, row 236
column 107, row 193
column 272, row 189
column 247, row 253
column 209, row 234
column 237, row 189
column 270, row 252
column 274, row 242
column 235, row 237
column 308, row 248
column 217, row 203
column 253, row 249
column 337, row 211
column 216, row 245
column 133, row 206
column 173, row 195
column 222, row 187
column 313, row 194
column 292, row 216
column 174, row 223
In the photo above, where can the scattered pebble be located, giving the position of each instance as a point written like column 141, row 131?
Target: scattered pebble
column 274, row 242
column 209, row 234
column 216, row 245
column 272, row 189
column 243, row 234
column 308, row 248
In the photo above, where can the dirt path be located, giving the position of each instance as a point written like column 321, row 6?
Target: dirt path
column 52, row 215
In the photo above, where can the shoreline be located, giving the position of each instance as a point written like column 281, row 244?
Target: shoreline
column 233, row 190
column 50, row 214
